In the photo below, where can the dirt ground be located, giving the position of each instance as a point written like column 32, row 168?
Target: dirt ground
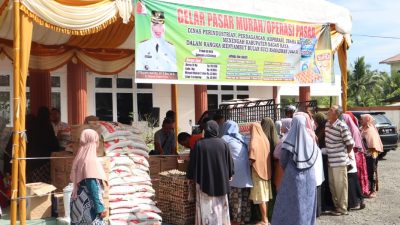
column 383, row 210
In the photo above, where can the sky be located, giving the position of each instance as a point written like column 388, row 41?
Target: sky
column 373, row 17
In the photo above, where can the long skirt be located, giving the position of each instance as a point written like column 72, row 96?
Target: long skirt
column 355, row 196
column 83, row 209
column 296, row 202
column 262, row 189
column 240, row 205
column 372, row 167
column 211, row 209
column 362, row 172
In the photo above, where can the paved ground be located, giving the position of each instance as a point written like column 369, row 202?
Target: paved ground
column 383, row 210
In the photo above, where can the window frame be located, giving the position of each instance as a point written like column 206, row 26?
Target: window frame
column 233, row 92
column 61, row 90
column 92, row 90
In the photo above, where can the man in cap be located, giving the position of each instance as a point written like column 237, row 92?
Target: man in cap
column 156, row 54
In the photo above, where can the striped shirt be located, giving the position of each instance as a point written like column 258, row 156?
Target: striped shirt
column 337, row 138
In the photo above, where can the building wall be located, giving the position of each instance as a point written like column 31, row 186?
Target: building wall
column 186, row 107
column 162, row 94
column 261, row 92
column 395, row 67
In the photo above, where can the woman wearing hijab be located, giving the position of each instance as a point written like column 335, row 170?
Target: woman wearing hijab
column 373, row 143
column 240, row 205
column 326, row 196
column 260, row 158
column 359, row 158
column 87, row 205
column 355, row 197
column 359, row 151
column 286, row 123
column 353, row 117
column 211, row 168
column 296, row 200
column 318, row 167
column 269, row 129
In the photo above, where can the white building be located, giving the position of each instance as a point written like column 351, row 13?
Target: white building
column 116, row 97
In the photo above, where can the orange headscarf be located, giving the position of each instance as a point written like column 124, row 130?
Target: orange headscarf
column 259, row 149
column 370, row 133
column 86, row 165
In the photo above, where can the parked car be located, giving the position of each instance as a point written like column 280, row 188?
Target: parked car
column 387, row 131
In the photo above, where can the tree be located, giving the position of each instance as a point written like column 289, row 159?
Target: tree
column 390, row 85
column 363, row 84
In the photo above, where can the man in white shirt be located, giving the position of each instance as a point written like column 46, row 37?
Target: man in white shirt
column 156, row 54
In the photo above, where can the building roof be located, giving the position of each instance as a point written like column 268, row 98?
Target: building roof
column 391, row 60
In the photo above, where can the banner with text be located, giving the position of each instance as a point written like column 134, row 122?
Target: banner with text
column 182, row 44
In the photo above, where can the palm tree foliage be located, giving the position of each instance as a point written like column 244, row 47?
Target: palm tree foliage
column 368, row 87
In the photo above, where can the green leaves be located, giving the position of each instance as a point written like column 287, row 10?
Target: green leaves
column 368, row 87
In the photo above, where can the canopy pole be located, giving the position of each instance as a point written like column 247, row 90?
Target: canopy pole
column 174, row 103
column 342, row 55
column 16, row 100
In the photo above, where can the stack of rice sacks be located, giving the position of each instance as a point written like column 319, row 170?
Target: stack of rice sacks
column 130, row 192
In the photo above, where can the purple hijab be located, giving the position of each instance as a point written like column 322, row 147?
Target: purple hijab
column 355, row 132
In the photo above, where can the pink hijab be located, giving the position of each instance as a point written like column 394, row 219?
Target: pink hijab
column 355, row 132
column 309, row 125
column 370, row 133
column 353, row 117
column 85, row 164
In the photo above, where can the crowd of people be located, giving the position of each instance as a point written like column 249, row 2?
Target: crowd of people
column 292, row 170
column 288, row 172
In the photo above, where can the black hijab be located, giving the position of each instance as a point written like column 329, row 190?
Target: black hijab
column 212, row 129
column 211, row 165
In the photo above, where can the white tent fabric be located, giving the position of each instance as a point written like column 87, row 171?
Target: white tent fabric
column 314, row 11
column 41, row 35
column 89, row 16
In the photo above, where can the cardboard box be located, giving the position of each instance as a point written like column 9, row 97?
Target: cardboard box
column 59, row 205
column 39, row 205
column 61, row 180
column 76, row 131
column 169, row 163
column 155, row 165
column 61, row 160
column 60, row 169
